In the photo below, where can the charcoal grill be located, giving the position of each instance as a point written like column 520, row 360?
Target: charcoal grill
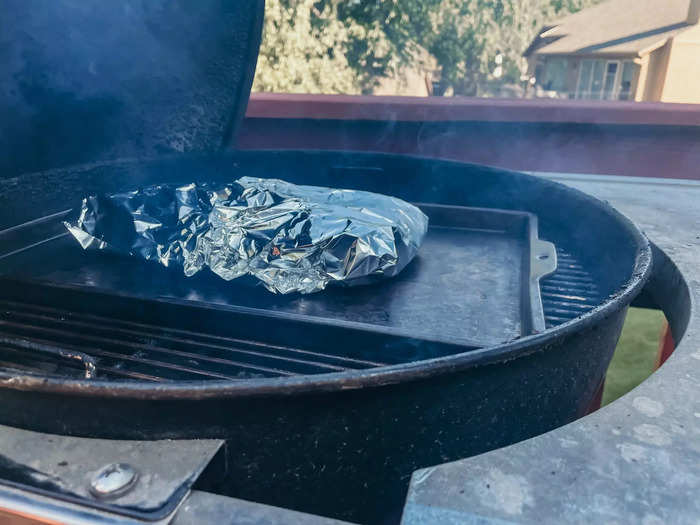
column 319, row 412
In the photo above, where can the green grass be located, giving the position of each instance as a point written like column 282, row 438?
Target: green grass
column 636, row 352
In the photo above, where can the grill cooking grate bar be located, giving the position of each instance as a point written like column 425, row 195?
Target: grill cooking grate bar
column 187, row 337
column 15, row 358
column 154, row 353
column 151, row 346
column 135, row 359
column 569, row 292
column 138, row 351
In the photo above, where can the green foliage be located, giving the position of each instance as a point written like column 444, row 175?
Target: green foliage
column 347, row 46
column 393, row 32
column 304, row 50
column 636, row 353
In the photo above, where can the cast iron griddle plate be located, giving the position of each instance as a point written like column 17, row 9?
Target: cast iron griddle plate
column 474, row 281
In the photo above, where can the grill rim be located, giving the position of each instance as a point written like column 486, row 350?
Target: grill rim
column 380, row 376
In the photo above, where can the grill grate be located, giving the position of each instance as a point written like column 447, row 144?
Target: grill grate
column 125, row 349
column 569, row 292
column 64, row 343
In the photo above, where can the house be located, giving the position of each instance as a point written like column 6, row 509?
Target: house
column 642, row 50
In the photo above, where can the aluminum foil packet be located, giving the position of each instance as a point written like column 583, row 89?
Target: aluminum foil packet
column 292, row 238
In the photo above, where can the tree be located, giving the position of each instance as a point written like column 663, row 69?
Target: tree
column 389, row 34
column 304, row 50
column 510, row 27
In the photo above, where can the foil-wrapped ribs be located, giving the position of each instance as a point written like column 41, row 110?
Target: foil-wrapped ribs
column 292, row 238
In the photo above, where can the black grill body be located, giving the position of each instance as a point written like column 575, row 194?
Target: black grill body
column 308, row 426
column 90, row 80
column 325, row 441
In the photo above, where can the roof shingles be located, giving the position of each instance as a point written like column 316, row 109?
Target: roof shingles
column 615, row 27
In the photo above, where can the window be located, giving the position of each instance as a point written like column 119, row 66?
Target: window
column 555, row 75
column 611, row 69
column 590, row 80
column 584, row 79
column 597, row 82
column 628, row 72
column 605, row 79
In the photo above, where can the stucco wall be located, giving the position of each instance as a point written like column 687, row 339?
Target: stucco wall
column 683, row 73
column 656, row 73
column 641, row 79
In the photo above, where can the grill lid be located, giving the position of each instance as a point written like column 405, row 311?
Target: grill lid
column 94, row 80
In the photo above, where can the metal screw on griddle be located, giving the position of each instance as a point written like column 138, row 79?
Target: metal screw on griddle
column 115, row 479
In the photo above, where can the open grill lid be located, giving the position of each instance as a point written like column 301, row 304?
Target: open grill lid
column 91, row 80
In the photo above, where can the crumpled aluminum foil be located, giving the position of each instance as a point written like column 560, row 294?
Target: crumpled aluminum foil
column 292, row 238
